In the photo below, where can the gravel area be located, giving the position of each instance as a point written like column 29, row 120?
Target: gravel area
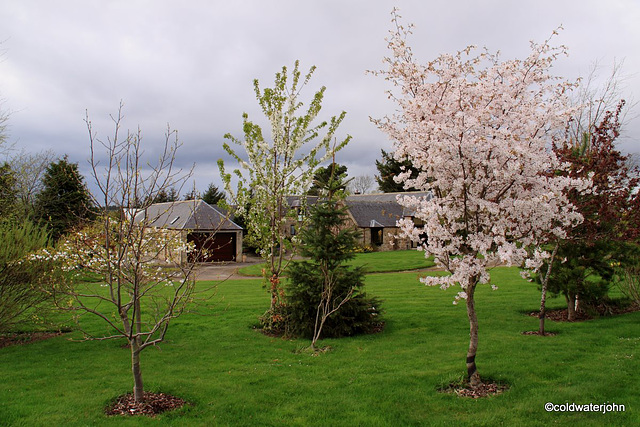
column 224, row 270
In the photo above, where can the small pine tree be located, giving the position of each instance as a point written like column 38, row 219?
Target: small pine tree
column 65, row 201
column 325, row 297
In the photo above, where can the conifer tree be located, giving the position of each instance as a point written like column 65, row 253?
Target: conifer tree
column 213, row 195
column 65, row 200
column 325, row 296
column 323, row 174
column 388, row 169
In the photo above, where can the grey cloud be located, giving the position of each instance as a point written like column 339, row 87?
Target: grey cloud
column 192, row 64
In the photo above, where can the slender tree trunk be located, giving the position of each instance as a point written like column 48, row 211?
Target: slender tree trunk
column 138, row 387
column 472, row 371
column 571, row 306
column 316, row 333
column 545, row 282
column 543, row 309
column 274, row 282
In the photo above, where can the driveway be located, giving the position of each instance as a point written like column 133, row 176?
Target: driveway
column 224, row 270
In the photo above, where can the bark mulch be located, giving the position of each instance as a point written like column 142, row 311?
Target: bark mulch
column 483, row 390
column 560, row 315
column 26, row 337
column 151, row 405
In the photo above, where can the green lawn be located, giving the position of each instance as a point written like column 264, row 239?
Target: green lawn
column 373, row 262
column 233, row 375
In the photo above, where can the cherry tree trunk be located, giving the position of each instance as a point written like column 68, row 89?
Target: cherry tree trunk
column 472, row 371
column 571, row 306
column 543, row 308
column 545, row 283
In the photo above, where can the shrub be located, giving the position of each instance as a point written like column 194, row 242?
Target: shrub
column 628, row 282
column 22, row 275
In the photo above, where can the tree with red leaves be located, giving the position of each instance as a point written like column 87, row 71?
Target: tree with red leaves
column 584, row 266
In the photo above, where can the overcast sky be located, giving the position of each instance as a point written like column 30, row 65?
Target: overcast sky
column 191, row 63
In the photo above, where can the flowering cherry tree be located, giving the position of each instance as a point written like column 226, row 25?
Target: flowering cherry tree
column 479, row 130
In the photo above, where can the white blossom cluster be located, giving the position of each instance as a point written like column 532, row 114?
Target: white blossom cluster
column 129, row 252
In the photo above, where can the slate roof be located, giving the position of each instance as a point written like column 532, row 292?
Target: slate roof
column 295, row 201
column 379, row 210
column 186, row 215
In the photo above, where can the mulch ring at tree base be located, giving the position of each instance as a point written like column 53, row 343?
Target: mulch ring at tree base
column 26, row 337
column 151, row 404
column 561, row 315
column 485, row 389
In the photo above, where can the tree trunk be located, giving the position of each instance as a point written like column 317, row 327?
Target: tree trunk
column 543, row 303
column 543, row 297
column 571, row 306
column 472, row 371
column 543, row 313
column 274, row 282
column 138, row 388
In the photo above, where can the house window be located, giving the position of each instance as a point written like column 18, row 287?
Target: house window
column 377, row 234
column 293, row 230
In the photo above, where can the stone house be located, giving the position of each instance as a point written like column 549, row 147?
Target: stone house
column 375, row 215
column 215, row 236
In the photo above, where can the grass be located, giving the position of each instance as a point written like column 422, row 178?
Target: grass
column 233, row 375
column 373, row 262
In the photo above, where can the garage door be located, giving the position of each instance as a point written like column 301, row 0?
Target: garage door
column 211, row 247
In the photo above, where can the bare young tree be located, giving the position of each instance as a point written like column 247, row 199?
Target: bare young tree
column 596, row 96
column 361, row 184
column 4, row 118
column 138, row 296
column 29, row 169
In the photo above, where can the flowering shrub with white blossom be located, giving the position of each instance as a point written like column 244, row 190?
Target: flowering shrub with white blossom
column 274, row 167
column 145, row 275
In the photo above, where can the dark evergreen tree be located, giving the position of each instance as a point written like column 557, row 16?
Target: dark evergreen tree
column 325, row 296
column 64, row 202
column 166, row 196
column 388, row 168
column 192, row 195
column 322, row 176
column 213, row 195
